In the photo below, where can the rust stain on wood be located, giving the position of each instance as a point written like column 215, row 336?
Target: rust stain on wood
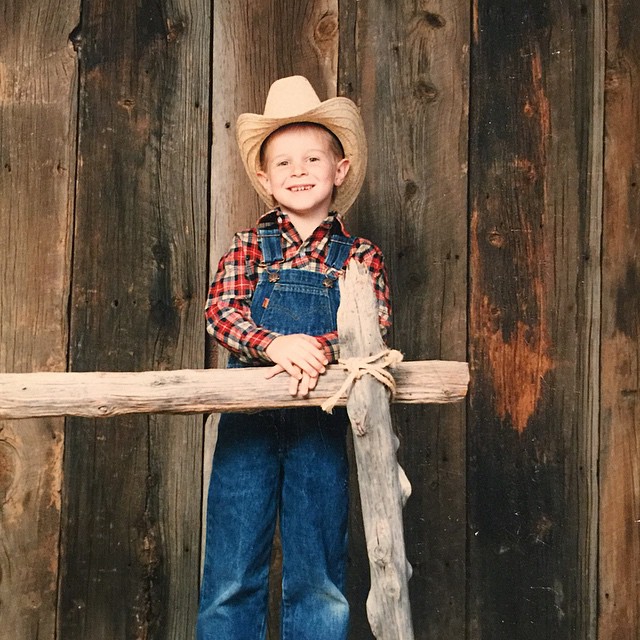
column 539, row 105
column 510, row 301
column 517, row 360
column 518, row 366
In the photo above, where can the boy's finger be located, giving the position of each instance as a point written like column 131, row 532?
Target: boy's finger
column 312, row 383
column 271, row 372
column 318, row 353
column 312, row 345
column 291, row 368
column 293, row 386
column 312, row 362
column 310, row 368
column 303, row 387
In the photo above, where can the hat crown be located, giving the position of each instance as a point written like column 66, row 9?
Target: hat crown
column 290, row 97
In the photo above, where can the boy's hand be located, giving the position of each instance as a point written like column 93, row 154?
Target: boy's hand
column 302, row 357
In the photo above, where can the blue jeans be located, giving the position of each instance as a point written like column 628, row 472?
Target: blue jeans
column 292, row 462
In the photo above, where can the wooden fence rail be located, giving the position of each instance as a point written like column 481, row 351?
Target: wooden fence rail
column 104, row 394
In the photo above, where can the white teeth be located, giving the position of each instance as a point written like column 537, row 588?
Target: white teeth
column 300, row 188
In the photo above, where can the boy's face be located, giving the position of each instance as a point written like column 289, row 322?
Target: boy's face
column 300, row 171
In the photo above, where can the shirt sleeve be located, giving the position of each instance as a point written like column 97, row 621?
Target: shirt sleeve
column 373, row 259
column 228, row 308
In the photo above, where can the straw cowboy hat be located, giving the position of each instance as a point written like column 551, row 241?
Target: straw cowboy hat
column 294, row 100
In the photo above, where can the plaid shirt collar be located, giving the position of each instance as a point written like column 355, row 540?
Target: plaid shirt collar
column 314, row 246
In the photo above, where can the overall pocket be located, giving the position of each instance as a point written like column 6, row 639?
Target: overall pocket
column 298, row 308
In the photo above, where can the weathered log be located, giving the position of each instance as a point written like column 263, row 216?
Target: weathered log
column 104, row 394
column 384, row 487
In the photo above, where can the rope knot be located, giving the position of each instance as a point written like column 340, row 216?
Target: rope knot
column 355, row 368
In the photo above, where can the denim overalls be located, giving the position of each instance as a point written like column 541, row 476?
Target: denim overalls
column 288, row 460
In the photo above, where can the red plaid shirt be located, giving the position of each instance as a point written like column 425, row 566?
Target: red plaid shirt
column 228, row 309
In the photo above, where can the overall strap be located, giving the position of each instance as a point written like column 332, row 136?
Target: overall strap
column 270, row 240
column 339, row 249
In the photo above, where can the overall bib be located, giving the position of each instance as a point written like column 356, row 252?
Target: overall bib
column 290, row 462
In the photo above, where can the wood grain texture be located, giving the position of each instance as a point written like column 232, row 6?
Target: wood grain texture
column 406, row 65
column 620, row 442
column 102, row 395
column 589, row 310
column 38, row 83
column 255, row 43
column 132, row 485
column 533, row 347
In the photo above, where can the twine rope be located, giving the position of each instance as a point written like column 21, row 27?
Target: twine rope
column 375, row 366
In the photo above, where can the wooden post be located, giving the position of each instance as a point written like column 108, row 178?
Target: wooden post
column 383, row 485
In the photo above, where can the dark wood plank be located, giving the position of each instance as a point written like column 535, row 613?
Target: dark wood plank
column 589, row 310
column 256, row 43
column 620, row 444
column 406, row 65
column 38, row 80
column 533, row 343
column 132, row 497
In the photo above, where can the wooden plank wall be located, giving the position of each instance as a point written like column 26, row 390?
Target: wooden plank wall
column 504, row 159
column 531, row 295
column 38, row 83
column 413, row 58
column 131, row 496
column 620, row 374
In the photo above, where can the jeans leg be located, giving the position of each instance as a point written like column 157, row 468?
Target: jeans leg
column 313, row 522
column 241, row 516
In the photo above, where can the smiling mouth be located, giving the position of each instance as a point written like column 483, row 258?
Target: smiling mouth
column 304, row 187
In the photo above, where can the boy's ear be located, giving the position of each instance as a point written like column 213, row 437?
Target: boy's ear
column 342, row 168
column 264, row 181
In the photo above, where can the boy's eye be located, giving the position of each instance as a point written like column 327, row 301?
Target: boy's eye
column 314, row 159
column 282, row 163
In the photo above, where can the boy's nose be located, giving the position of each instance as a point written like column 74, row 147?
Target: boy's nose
column 298, row 169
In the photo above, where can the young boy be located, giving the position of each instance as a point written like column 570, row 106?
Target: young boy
column 274, row 301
